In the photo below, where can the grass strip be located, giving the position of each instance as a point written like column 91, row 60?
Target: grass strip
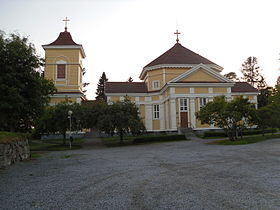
column 245, row 140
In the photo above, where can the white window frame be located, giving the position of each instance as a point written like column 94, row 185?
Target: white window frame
column 156, row 111
column 202, row 102
column 156, row 84
column 61, row 62
column 183, row 105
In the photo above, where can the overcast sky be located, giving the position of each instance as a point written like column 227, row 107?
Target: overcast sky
column 121, row 36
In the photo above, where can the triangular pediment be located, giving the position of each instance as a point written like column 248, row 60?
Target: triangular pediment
column 201, row 73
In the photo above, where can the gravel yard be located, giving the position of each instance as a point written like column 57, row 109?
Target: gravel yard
column 174, row 175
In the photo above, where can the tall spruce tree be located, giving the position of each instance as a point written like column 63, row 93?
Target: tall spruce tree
column 100, row 91
column 252, row 73
column 278, row 81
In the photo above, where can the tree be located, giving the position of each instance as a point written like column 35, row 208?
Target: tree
column 121, row 117
column 24, row 92
column 263, row 97
column 278, row 81
column 232, row 76
column 251, row 73
column 231, row 116
column 130, row 79
column 56, row 119
column 100, row 91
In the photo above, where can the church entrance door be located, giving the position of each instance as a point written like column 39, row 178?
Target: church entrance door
column 184, row 119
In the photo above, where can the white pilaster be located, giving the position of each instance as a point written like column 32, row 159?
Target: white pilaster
column 228, row 90
column 193, row 118
column 167, row 116
column 191, row 90
column 210, row 90
column 161, row 116
column 173, row 113
column 149, row 117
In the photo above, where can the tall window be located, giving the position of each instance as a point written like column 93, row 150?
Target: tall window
column 183, row 105
column 156, row 111
column 155, row 84
column 202, row 102
column 61, row 71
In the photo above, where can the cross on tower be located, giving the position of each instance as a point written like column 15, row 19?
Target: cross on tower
column 177, row 33
column 66, row 20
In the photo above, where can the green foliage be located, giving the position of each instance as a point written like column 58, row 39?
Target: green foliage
column 263, row 97
column 232, row 76
column 251, row 73
column 100, row 91
column 24, row 93
column 56, row 118
column 268, row 115
column 122, row 118
column 232, row 116
column 11, row 136
column 245, row 133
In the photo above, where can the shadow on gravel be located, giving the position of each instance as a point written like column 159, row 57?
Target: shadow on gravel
column 93, row 143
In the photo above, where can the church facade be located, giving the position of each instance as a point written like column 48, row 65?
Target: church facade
column 174, row 87
column 64, row 66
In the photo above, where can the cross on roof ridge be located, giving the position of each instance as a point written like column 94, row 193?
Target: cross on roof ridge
column 177, row 33
column 66, row 20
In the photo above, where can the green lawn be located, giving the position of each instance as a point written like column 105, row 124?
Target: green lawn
column 54, row 145
column 245, row 140
column 10, row 136
column 147, row 138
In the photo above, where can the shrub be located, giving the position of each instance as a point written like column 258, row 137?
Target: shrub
column 145, row 139
column 246, row 132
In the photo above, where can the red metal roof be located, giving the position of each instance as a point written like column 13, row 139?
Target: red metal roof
column 243, row 87
column 126, row 87
column 64, row 38
column 179, row 55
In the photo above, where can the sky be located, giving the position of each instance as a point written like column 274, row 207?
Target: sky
column 121, row 36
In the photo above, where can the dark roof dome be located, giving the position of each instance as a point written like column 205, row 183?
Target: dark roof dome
column 64, row 38
column 179, row 55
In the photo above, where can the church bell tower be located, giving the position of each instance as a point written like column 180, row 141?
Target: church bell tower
column 64, row 67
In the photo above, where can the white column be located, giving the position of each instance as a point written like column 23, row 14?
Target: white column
column 193, row 118
column 161, row 117
column 167, row 115
column 173, row 113
column 148, row 117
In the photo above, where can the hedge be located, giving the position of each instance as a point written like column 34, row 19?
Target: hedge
column 246, row 132
column 145, row 139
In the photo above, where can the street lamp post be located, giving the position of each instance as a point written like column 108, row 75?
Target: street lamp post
column 70, row 112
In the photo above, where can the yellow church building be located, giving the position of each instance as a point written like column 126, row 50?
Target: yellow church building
column 64, row 66
column 174, row 87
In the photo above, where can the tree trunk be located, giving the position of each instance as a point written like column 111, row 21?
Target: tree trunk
column 121, row 137
column 64, row 138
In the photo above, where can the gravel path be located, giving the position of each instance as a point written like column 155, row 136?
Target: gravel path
column 177, row 175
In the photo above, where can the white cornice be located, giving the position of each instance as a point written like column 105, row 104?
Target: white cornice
column 201, row 84
column 65, row 47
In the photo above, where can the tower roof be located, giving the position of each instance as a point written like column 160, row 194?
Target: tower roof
column 65, row 41
column 64, row 38
column 178, row 54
